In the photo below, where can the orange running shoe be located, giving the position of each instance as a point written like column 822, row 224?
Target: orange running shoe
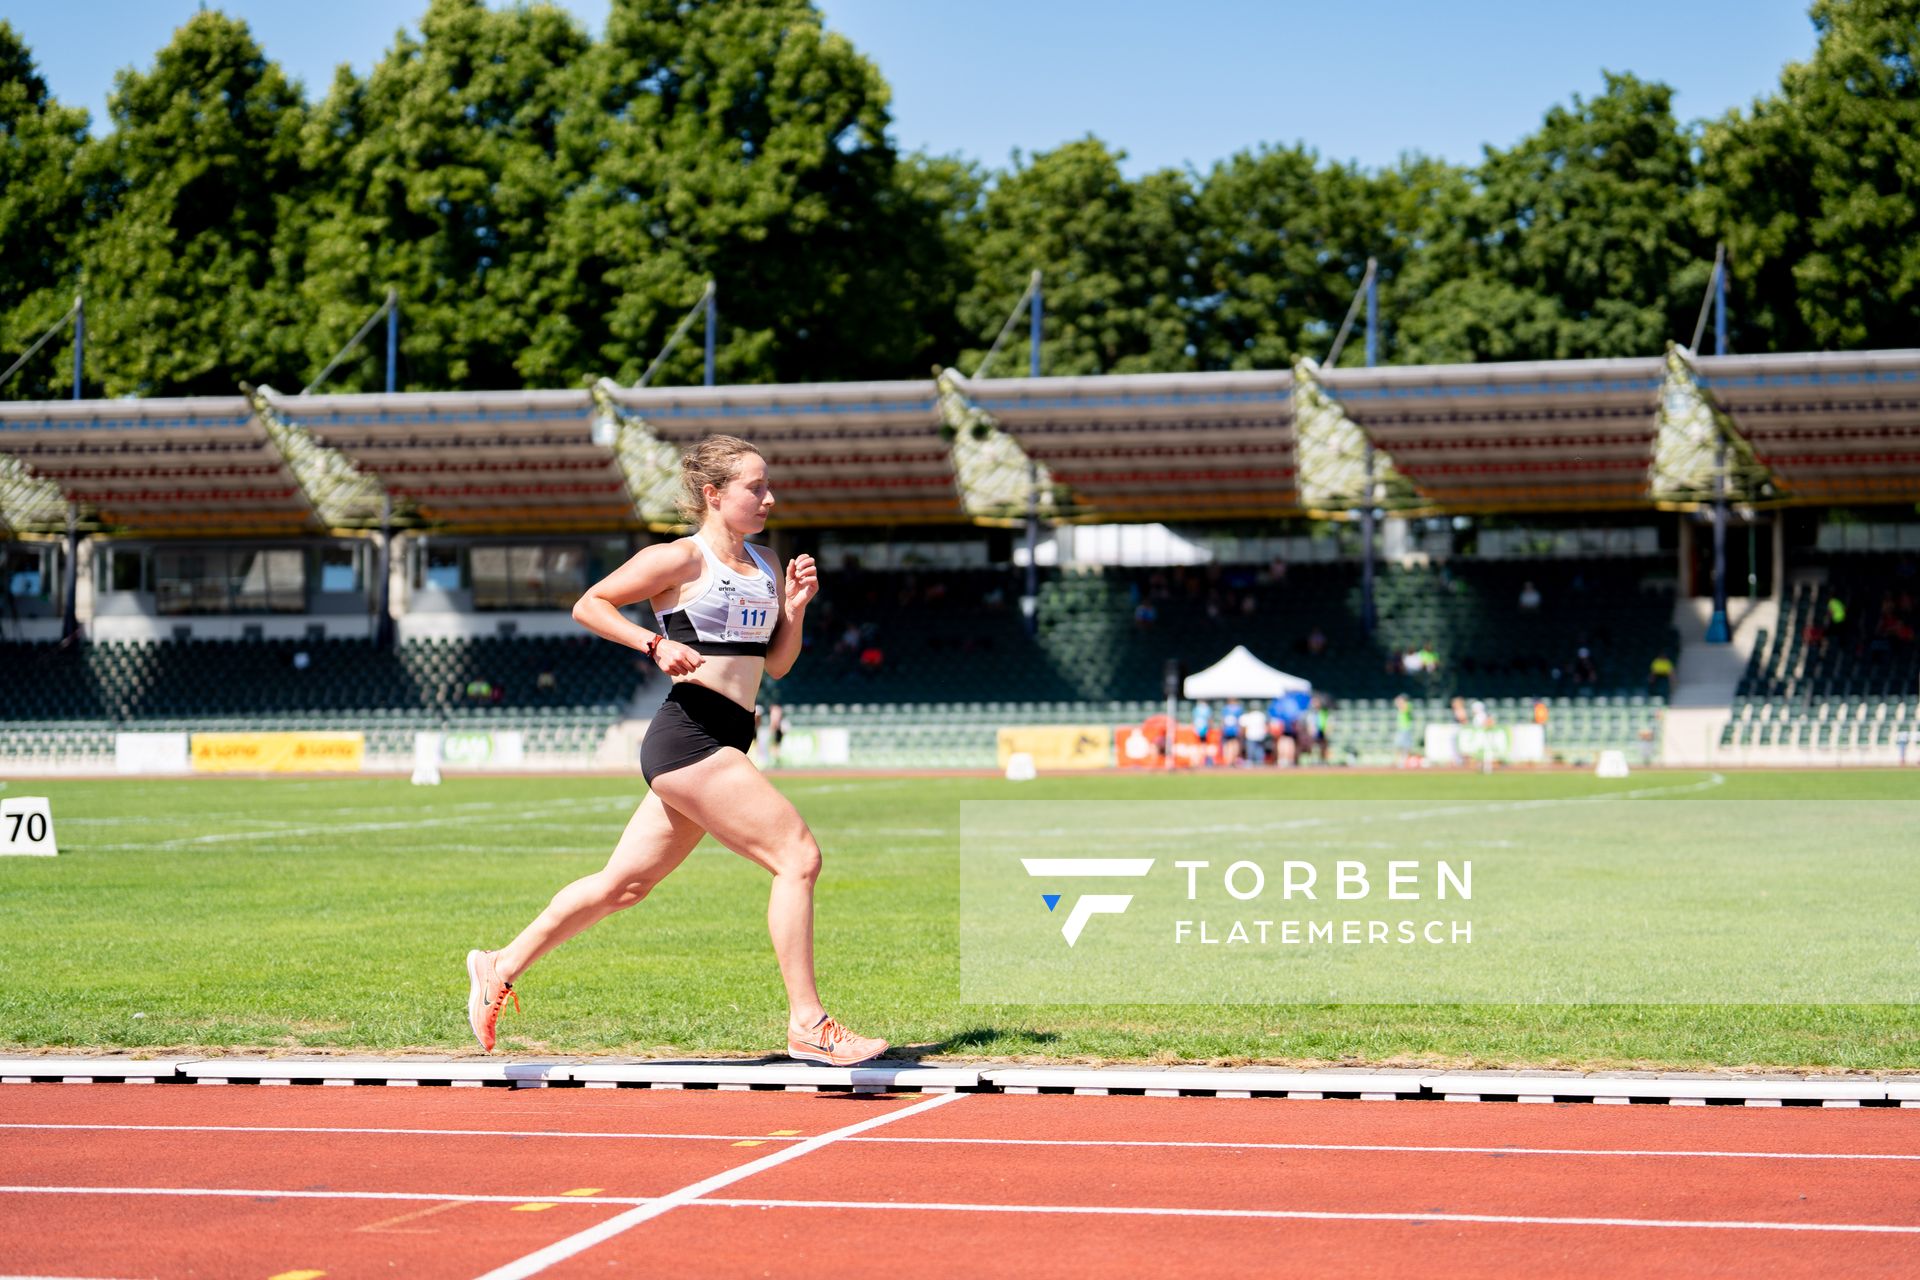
column 829, row 1042
column 486, row 997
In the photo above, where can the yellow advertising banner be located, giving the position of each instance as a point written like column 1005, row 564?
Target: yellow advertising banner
column 279, row 752
column 1060, row 746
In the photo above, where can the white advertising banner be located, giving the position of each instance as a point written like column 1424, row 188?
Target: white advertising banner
column 151, row 753
column 482, row 749
column 815, row 747
column 1502, row 743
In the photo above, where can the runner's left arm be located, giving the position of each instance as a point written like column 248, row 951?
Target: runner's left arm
column 797, row 586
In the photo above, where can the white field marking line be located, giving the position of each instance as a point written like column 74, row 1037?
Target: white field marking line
column 1311, row 1215
column 1386, row 1148
column 355, row 810
column 878, row 784
column 1363, row 820
column 272, row 1193
column 538, row 1261
column 416, row 824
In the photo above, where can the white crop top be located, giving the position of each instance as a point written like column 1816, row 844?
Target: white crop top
column 734, row 613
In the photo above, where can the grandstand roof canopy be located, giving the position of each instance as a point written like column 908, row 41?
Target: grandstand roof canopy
column 1571, row 435
column 839, row 453
column 475, row 460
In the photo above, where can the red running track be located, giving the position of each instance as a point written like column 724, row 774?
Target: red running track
column 181, row 1180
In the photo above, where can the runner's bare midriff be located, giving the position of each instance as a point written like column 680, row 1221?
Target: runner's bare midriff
column 736, row 676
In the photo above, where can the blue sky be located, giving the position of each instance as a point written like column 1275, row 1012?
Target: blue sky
column 1172, row 84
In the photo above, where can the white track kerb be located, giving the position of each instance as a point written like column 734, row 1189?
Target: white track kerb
column 1384, row 1084
column 560, row 1251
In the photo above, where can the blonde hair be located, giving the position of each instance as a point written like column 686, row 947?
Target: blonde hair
column 714, row 461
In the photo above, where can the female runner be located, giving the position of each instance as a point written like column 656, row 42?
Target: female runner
column 728, row 616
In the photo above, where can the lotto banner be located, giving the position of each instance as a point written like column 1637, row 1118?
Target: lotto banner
column 279, row 752
column 1060, row 746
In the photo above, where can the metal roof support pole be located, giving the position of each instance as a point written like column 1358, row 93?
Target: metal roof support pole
column 393, row 339
column 1368, row 618
column 70, row 580
column 79, row 343
column 383, row 607
column 713, row 323
column 1718, row 632
column 1032, row 602
column 73, row 313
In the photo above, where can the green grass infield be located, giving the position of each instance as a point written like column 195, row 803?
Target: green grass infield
column 309, row 915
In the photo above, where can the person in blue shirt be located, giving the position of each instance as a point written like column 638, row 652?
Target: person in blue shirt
column 1230, row 731
column 1202, row 725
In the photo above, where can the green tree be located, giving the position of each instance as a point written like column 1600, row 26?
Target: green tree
column 1117, row 258
column 1283, row 244
column 742, row 142
column 41, row 219
column 1816, row 190
column 442, row 170
column 184, row 295
column 1579, row 243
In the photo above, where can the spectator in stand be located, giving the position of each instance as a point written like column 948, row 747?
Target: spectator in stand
column 872, row 658
column 1541, row 712
column 1836, row 619
column 1585, row 674
column 1230, row 731
column 301, row 660
column 1402, row 730
column 1318, row 718
column 1660, row 676
column 1529, row 597
column 772, row 727
column 1316, row 642
column 1253, row 730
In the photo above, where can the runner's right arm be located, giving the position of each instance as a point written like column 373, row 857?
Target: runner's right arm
column 649, row 572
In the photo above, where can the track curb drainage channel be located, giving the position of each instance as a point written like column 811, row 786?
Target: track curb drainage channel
column 1384, row 1084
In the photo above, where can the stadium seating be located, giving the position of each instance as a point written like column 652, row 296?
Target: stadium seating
column 1848, row 689
column 924, row 667
column 1106, row 636
column 67, row 702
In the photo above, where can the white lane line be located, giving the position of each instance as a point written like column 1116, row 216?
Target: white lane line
column 628, row 1135
column 538, row 1261
column 1311, row 1215
column 438, row 1133
column 275, row 1193
column 646, row 1208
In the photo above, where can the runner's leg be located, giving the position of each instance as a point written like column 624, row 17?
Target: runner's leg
column 657, row 840
column 725, row 795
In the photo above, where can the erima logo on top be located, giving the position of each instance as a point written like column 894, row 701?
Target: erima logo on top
column 1087, row 905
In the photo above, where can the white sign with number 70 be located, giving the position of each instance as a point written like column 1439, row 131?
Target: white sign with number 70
column 26, row 826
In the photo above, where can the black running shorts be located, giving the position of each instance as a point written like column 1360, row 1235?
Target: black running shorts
column 691, row 725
